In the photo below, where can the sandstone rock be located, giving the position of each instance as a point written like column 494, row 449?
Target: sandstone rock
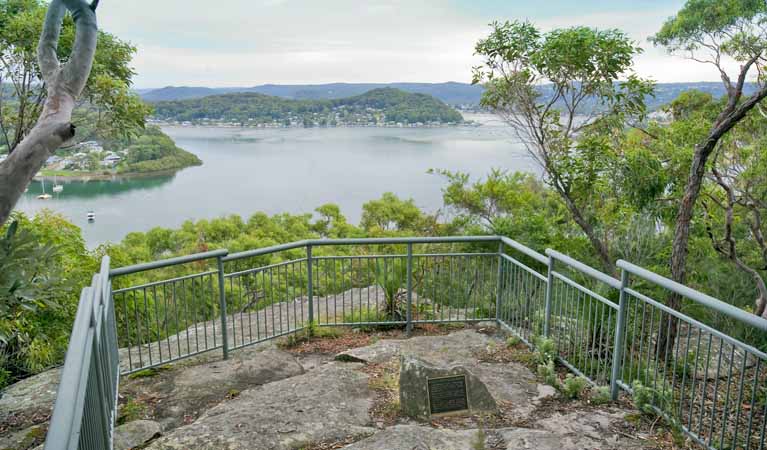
column 189, row 390
column 22, row 439
column 133, row 434
column 512, row 383
column 32, row 396
column 413, row 391
column 326, row 404
column 572, row 431
column 415, row 437
column 455, row 347
column 381, row 351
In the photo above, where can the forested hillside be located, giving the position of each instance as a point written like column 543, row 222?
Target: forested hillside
column 379, row 106
column 451, row 93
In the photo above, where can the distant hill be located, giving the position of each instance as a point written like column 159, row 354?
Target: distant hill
column 378, row 106
column 451, row 93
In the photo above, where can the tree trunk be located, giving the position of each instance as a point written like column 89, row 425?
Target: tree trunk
column 599, row 245
column 724, row 123
column 65, row 84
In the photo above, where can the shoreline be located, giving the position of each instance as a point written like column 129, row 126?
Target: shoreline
column 105, row 177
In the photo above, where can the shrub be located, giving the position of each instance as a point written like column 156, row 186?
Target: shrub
column 43, row 266
column 130, row 411
column 545, row 349
column 574, row 387
column 601, row 395
column 548, row 373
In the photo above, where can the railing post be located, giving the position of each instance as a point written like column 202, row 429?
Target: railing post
column 409, row 313
column 222, row 306
column 619, row 331
column 549, row 294
column 499, row 285
column 310, row 284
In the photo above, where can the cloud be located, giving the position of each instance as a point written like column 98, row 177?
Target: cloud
column 249, row 42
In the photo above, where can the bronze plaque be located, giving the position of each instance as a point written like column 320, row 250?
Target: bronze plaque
column 447, row 394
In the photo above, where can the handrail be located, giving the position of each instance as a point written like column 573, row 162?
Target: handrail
column 63, row 422
column 167, row 262
column 696, row 296
column 588, row 270
column 359, row 241
column 90, row 366
column 525, row 250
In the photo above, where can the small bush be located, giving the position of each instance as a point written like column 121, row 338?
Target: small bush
column 512, row 341
column 130, row 411
column 601, row 395
column 643, row 397
column 545, row 350
column 233, row 393
column 574, row 387
column 652, row 401
column 148, row 373
column 548, row 373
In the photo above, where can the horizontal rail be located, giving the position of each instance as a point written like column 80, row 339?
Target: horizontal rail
column 696, row 323
column 696, row 296
column 360, row 241
column 583, row 289
column 525, row 250
column 401, row 255
column 168, row 262
column 523, row 267
column 590, row 271
column 263, row 268
column 161, row 282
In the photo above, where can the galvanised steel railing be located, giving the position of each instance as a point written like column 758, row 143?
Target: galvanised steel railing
column 86, row 404
column 610, row 331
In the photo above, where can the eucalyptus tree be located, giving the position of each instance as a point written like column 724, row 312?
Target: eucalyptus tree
column 712, row 32
column 734, row 203
column 563, row 93
column 39, row 92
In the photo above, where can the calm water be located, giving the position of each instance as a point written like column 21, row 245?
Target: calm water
column 293, row 170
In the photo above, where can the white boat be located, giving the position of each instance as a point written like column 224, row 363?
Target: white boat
column 44, row 195
column 91, row 216
column 57, row 188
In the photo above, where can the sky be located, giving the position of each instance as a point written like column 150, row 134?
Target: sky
column 252, row 42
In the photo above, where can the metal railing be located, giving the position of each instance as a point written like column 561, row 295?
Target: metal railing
column 86, row 403
column 610, row 331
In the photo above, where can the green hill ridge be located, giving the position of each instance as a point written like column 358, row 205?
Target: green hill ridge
column 375, row 107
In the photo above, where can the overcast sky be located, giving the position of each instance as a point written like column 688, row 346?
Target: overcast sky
column 251, row 42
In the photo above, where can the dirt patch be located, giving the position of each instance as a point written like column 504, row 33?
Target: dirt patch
column 383, row 379
column 328, row 345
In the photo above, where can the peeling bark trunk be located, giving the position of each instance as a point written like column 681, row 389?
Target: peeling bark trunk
column 65, row 84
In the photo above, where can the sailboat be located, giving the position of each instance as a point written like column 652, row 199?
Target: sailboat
column 57, row 188
column 44, row 196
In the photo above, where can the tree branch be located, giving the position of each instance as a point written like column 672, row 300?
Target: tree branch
column 49, row 40
column 64, row 84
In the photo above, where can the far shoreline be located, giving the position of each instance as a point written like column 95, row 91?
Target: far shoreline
column 84, row 178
